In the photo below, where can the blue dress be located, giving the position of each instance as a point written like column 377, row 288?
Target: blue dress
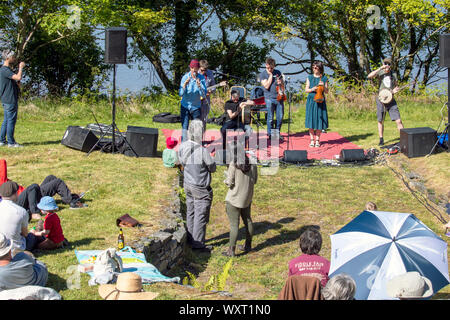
column 316, row 113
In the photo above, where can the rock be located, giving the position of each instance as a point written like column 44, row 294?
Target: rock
column 418, row 186
column 413, row 176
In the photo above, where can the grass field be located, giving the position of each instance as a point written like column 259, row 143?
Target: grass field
column 284, row 203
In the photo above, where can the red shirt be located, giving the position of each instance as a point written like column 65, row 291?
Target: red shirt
column 53, row 224
column 310, row 265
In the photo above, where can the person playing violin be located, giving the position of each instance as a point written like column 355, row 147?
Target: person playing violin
column 316, row 118
column 271, row 78
column 387, row 80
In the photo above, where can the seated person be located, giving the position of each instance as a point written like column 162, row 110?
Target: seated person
column 233, row 119
column 169, row 156
column 51, row 237
column 310, row 263
column 22, row 270
column 13, row 218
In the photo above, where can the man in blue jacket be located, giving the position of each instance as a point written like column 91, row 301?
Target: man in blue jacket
column 192, row 92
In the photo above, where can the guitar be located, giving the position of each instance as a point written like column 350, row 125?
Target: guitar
column 221, row 84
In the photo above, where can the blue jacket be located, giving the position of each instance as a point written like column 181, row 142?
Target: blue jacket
column 190, row 97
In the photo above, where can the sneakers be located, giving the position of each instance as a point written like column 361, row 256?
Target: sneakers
column 2, row 144
column 205, row 249
column 381, row 142
column 15, row 145
column 77, row 205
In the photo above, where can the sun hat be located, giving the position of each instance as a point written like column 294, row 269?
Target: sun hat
column 410, row 285
column 127, row 287
column 8, row 189
column 47, row 203
column 171, row 142
column 5, row 245
column 194, row 64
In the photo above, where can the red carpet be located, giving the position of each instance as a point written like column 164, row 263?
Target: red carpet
column 331, row 144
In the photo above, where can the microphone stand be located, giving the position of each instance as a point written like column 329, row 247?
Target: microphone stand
column 289, row 121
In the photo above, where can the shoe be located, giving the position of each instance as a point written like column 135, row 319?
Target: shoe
column 381, row 142
column 229, row 252
column 65, row 243
column 317, row 145
column 77, row 205
column 2, row 144
column 311, row 144
column 15, row 145
column 205, row 249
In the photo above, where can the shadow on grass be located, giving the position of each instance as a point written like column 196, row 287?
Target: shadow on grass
column 56, row 282
column 41, row 143
column 359, row 137
column 72, row 246
column 258, row 228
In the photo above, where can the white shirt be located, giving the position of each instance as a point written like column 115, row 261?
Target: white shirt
column 12, row 219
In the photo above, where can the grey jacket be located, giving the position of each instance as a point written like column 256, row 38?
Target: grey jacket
column 240, row 194
column 198, row 164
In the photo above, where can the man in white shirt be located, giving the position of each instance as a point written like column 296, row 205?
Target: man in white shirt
column 13, row 218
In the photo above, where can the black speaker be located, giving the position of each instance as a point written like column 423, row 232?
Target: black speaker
column 350, row 155
column 295, row 156
column 79, row 138
column 144, row 141
column 116, row 46
column 444, row 50
column 417, row 142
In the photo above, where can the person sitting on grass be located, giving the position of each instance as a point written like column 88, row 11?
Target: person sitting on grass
column 13, row 218
column 20, row 270
column 371, row 206
column 310, row 263
column 51, row 237
column 169, row 156
column 340, row 287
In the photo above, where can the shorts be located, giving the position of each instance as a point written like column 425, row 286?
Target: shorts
column 391, row 107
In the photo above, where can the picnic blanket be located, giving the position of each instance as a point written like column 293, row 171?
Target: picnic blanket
column 132, row 262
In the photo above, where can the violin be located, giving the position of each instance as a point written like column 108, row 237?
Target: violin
column 281, row 92
column 319, row 97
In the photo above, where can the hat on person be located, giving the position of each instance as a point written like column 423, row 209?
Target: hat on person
column 127, row 287
column 410, row 285
column 171, row 142
column 47, row 203
column 5, row 245
column 8, row 189
column 194, row 64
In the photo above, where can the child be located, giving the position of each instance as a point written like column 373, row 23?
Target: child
column 51, row 237
column 371, row 206
column 169, row 156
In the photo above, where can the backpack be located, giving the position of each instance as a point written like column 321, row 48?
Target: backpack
column 166, row 117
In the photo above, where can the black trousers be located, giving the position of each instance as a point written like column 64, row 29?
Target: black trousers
column 232, row 125
column 30, row 197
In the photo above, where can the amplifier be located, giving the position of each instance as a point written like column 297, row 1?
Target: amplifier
column 417, row 142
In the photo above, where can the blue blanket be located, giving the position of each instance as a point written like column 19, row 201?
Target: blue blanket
column 132, row 262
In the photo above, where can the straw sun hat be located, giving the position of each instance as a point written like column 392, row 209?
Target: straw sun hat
column 127, row 287
column 410, row 285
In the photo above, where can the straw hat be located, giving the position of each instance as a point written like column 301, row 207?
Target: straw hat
column 127, row 287
column 410, row 285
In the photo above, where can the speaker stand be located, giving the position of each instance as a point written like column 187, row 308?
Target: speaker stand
column 112, row 126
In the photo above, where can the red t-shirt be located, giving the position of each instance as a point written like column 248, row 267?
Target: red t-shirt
column 310, row 265
column 53, row 224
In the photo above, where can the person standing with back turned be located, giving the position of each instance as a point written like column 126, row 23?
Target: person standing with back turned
column 9, row 95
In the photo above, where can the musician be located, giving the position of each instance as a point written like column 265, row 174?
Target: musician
column 209, row 79
column 270, row 78
column 233, row 112
column 387, row 80
column 316, row 118
column 192, row 90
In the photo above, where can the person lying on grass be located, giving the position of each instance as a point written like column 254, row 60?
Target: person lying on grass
column 51, row 237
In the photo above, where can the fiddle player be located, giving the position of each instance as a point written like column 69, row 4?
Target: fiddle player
column 233, row 121
column 270, row 78
column 387, row 80
column 316, row 118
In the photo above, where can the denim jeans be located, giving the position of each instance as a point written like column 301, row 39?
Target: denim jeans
column 274, row 106
column 9, row 123
column 187, row 115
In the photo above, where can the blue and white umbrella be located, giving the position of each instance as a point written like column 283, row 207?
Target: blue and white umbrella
column 377, row 246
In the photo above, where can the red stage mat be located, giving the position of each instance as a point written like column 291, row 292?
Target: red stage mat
column 331, row 144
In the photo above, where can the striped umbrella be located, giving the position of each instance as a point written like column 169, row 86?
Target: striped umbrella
column 377, row 246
